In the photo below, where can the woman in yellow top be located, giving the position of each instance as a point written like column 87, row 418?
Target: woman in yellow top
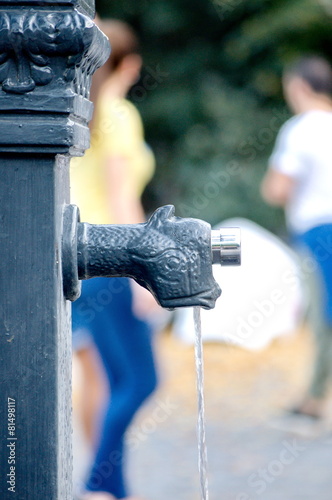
column 107, row 184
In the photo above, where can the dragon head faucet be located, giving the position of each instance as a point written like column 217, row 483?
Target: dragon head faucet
column 170, row 256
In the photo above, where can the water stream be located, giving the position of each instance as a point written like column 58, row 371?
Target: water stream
column 202, row 452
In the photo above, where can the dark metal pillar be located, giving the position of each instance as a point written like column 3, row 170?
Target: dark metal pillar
column 48, row 51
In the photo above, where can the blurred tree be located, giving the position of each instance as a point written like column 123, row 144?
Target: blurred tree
column 210, row 95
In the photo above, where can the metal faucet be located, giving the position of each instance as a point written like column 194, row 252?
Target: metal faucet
column 170, row 256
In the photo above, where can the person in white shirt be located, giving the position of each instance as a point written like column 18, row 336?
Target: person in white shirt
column 299, row 178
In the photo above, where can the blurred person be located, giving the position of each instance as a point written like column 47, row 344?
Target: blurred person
column 107, row 184
column 299, row 179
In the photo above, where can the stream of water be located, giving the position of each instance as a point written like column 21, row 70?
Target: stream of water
column 202, row 452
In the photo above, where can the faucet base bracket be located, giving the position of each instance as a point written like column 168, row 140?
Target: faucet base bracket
column 71, row 283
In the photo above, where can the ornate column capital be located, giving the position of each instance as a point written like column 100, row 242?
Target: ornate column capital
column 48, row 54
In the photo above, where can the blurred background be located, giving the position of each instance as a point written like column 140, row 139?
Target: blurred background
column 211, row 101
column 210, row 95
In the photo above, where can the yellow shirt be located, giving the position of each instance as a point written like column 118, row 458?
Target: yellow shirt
column 117, row 132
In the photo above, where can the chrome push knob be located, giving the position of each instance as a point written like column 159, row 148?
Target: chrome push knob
column 226, row 246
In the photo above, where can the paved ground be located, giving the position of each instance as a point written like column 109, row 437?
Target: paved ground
column 251, row 455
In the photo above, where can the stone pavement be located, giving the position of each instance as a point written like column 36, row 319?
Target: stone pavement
column 253, row 453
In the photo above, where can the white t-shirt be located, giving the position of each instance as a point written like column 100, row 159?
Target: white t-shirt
column 303, row 151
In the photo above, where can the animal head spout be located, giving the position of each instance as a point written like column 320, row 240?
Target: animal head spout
column 174, row 259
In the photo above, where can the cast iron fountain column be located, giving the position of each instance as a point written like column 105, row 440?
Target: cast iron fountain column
column 48, row 52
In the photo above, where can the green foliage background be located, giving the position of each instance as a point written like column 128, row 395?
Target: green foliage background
column 212, row 104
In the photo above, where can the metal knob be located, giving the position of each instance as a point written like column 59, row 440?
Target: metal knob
column 226, row 246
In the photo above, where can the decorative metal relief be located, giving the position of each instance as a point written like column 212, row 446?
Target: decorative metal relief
column 168, row 255
column 38, row 48
column 172, row 258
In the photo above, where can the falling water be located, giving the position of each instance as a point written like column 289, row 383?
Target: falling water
column 202, row 452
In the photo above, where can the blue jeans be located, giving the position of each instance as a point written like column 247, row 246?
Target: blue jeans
column 125, row 347
column 318, row 241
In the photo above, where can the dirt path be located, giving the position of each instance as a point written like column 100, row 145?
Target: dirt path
column 250, row 455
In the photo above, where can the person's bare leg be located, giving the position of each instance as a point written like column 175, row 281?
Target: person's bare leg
column 312, row 407
column 94, row 390
column 314, row 402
